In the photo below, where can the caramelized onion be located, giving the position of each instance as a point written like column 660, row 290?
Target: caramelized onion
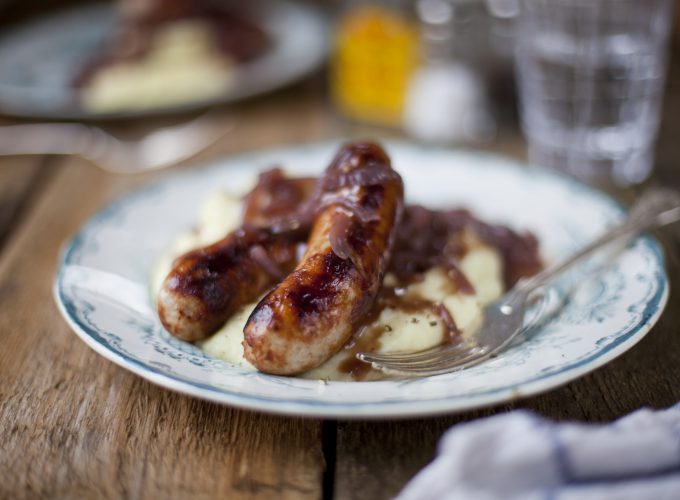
column 339, row 233
column 370, row 175
column 260, row 255
column 429, row 238
column 350, row 204
column 290, row 225
column 458, row 277
column 451, row 330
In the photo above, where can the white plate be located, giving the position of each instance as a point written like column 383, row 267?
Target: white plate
column 38, row 60
column 101, row 287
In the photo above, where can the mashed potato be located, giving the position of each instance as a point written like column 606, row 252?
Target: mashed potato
column 182, row 65
column 400, row 330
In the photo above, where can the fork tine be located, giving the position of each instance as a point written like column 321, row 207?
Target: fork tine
column 423, row 363
column 438, row 362
column 437, row 368
column 416, row 356
column 433, row 371
column 442, row 355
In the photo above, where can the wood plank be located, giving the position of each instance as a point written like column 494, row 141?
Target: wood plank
column 19, row 179
column 74, row 425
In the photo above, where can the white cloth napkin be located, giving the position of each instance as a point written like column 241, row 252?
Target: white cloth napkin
column 520, row 455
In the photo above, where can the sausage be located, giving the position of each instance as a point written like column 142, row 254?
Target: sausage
column 206, row 286
column 275, row 201
column 306, row 318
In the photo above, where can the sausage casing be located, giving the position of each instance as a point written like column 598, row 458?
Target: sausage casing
column 312, row 312
column 206, row 286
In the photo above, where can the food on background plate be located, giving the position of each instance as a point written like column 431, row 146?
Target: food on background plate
column 169, row 52
column 316, row 270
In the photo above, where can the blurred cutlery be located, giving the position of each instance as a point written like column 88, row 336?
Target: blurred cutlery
column 160, row 148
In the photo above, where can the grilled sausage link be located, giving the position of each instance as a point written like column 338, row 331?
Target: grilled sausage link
column 275, row 200
column 312, row 312
column 206, row 286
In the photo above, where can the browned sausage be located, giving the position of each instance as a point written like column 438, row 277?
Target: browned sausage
column 312, row 312
column 275, row 200
column 206, row 286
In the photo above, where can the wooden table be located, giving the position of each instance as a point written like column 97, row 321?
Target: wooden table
column 74, row 425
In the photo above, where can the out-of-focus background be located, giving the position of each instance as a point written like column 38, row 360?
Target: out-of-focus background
column 436, row 71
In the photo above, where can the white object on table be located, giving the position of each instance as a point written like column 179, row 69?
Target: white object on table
column 520, row 455
column 447, row 103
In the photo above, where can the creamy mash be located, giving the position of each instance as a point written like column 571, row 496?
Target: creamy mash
column 182, row 65
column 400, row 330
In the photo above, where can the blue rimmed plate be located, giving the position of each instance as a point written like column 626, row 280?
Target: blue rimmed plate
column 102, row 286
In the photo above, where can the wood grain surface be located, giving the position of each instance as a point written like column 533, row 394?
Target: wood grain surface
column 73, row 425
column 20, row 179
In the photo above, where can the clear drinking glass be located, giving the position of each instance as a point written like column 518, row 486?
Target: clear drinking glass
column 591, row 77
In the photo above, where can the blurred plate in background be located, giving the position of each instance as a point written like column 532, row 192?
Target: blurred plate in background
column 38, row 60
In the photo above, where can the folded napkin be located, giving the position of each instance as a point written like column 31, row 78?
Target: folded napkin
column 520, row 455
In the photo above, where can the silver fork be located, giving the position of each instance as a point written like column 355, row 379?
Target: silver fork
column 160, row 148
column 504, row 319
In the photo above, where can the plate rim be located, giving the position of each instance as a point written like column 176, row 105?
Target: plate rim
column 404, row 409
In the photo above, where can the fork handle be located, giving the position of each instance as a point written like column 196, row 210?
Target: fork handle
column 47, row 138
column 655, row 208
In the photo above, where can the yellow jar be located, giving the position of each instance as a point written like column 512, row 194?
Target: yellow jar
column 375, row 53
